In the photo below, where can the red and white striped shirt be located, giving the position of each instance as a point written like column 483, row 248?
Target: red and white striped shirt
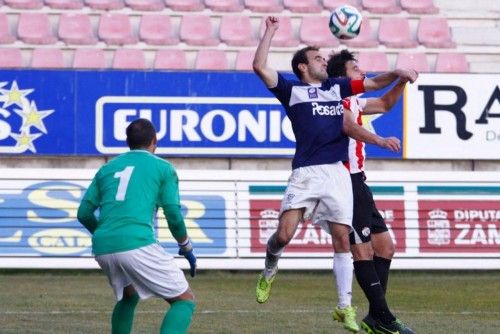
column 357, row 154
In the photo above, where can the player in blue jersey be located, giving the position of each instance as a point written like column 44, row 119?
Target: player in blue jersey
column 371, row 244
column 319, row 187
column 128, row 190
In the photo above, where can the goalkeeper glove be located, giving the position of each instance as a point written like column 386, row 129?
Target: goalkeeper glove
column 186, row 250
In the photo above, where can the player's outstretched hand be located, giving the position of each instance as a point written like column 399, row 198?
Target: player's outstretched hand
column 186, row 250
column 407, row 75
column 272, row 22
column 391, row 143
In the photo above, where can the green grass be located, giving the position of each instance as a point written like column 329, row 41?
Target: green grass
column 301, row 302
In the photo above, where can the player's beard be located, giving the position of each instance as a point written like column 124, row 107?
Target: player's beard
column 318, row 74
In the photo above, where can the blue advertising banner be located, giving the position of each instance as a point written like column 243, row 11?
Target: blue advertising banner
column 204, row 114
column 39, row 219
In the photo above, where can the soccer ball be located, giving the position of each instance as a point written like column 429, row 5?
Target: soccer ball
column 345, row 22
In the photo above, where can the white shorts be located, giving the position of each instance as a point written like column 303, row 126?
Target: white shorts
column 150, row 270
column 325, row 191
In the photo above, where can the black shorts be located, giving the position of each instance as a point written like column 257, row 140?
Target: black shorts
column 366, row 218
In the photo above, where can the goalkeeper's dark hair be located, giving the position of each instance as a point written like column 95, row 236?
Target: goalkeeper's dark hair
column 300, row 57
column 140, row 133
column 336, row 63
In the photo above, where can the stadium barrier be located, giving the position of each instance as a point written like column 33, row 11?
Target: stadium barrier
column 438, row 220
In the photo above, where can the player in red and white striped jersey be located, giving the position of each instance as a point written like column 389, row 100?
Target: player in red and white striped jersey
column 371, row 244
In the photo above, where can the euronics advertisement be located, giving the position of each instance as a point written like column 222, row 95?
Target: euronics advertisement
column 202, row 114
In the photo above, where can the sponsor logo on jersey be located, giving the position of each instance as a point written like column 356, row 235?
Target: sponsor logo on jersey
column 326, row 110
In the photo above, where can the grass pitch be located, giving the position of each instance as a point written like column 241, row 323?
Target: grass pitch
column 301, row 302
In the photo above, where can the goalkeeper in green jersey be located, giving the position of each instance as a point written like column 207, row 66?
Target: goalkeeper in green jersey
column 127, row 191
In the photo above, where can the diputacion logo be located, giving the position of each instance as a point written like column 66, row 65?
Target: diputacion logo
column 21, row 123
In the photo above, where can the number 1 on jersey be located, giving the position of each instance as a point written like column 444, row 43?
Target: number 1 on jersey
column 124, row 177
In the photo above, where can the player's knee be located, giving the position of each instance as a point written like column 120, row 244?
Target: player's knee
column 386, row 251
column 362, row 252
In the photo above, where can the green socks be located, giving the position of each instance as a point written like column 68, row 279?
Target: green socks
column 178, row 318
column 123, row 315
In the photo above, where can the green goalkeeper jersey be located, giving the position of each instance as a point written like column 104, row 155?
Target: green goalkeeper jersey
column 128, row 190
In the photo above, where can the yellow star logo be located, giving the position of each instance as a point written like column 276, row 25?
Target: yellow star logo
column 368, row 120
column 14, row 95
column 33, row 117
column 25, row 140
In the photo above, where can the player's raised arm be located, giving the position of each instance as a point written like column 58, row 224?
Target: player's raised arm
column 354, row 130
column 386, row 102
column 385, row 79
column 260, row 67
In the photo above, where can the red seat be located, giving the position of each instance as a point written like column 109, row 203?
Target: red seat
column 104, row 4
column 244, row 60
column 434, row 32
column 211, row 60
column 419, row 6
column 302, row 6
column 381, row 6
column 47, row 58
column 170, row 59
column 394, row 32
column 76, row 28
column 237, row 31
column 6, row 36
column 314, row 31
column 224, row 5
column 366, row 37
column 129, row 59
column 373, row 61
column 64, row 4
column 197, row 30
column 332, row 4
column 284, row 35
column 451, row 62
column 10, row 57
column 413, row 60
column 24, row 4
column 185, row 5
column 264, row 6
column 156, row 29
column 146, row 5
column 35, row 28
column 116, row 29
column 89, row 58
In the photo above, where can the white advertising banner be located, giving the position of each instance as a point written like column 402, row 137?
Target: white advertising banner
column 452, row 116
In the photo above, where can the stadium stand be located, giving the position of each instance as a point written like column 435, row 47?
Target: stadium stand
column 47, row 58
column 415, row 60
column 185, row 5
column 156, row 29
column 424, row 26
column 211, row 60
column 451, row 62
column 35, row 28
column 64, row 4
column 125, row 58
column 381, row 6
column 11, row 58
column 6, row 36
column 116, row 29
column 373, row 61
column 91, row 58
column 303, row 6
column 394, row 32
column 244, row 60
column 24, row 4
column 434, row 32
column 105, row 4
column 236, row 30
column 197, row 29
column 224, row 5
column 170, row 59
column 264, row 6
column 314, row 31
column 419, row 6
column 76, row 28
